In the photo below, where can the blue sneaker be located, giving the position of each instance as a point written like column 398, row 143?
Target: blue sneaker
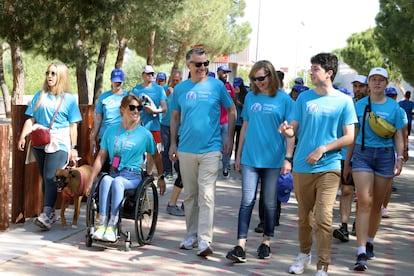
column 370, row 251
column 361, row 263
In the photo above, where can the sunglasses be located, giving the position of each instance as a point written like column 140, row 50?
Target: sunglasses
column 262, row 78
column 198, row 64
column 133, row 107
column 50, row 73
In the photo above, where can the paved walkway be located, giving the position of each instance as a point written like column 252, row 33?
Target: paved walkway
column 24, row 250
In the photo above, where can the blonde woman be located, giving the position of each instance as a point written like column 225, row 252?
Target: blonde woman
column 55, row 97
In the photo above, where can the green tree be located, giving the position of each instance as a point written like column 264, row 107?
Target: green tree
column 394, row 34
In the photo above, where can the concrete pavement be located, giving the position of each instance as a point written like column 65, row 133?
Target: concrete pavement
column 27, row 251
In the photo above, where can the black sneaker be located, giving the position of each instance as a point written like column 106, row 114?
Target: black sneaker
column 259, row 228
column 341, row 234
column 263, row 252
column 361, row 263
column 226, row 172
column 353, row 231
column 370, row 251
column 237, row 255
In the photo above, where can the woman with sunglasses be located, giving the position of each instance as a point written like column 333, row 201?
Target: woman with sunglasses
column 56, row 108
column 261, row 154
column 125, row 144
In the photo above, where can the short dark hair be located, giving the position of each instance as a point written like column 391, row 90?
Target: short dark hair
column 327, row 61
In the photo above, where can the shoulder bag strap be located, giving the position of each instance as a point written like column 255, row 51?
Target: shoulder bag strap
column 366, row 110
column 56, row 112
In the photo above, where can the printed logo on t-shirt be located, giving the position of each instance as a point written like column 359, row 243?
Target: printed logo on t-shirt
column 312, row 108
column 191, row 96
column 256, row 107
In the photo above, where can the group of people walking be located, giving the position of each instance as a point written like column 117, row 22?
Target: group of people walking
column 276, row 134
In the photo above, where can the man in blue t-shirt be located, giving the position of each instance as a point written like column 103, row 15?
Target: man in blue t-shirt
column 196, row 110
column 408, row 106
column 324, row 123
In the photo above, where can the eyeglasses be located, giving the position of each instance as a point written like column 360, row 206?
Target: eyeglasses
column 198, row 64
column 262, row 78
column 133, row 107
column 50, row 73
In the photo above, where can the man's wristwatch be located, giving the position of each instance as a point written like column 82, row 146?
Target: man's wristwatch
column 161, row 176
column 290, row 159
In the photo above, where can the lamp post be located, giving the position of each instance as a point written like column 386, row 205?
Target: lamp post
column 258, row 28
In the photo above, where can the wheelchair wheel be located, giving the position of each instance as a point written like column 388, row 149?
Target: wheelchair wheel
column 91, row 211
column 146, row 212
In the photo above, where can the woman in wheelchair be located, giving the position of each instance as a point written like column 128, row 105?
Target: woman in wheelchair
column 125, row 143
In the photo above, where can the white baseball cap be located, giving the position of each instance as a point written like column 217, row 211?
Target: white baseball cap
column 360, row 79
column 378, row 71
column 148, row 69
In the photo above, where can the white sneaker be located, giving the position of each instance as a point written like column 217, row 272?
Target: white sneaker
column 321, row 272
column 43, row 221
column 204, row 249
column 99, row 233
column 301, row 262
column 189, row 243
column 110, row 234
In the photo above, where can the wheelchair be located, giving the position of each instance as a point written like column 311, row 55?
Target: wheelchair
column 140, row 205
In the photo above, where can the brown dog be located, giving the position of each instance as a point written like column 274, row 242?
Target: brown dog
column 72, row 183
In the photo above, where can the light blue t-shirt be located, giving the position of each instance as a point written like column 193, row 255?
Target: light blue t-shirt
column 130, row 145
column 157, row 94
column 389, row 110
column 264, row 146
column 199, row 104
column 166, row 117
column 321, row 119
column 68, row 112
column 108, row 106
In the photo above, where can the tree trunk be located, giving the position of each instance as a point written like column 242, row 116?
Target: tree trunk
column 100, row 66
column 122, row 44
column 151, row 42
column 82, row 81
column 4, row 88
column 18, row 72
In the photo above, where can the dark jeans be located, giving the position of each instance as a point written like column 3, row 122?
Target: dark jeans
column 261, row 210
column 48, row 163
column 165, row 140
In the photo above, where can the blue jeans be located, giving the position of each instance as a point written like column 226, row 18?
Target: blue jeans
column 114, row 185
column 47, row 164
column 165, row 140
column 224, row 131
column 250, row 180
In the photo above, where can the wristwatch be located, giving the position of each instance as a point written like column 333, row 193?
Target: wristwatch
column 74, row 146
column 290, row 159
column 162, row 176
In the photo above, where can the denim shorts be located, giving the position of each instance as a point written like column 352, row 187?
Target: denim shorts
column 379, row 161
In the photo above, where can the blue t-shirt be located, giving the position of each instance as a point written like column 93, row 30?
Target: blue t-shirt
column 166, row 117
column 408, row 106
column 43, row 114
column 68, row 112
column 320, row 119
column 108, row 106
column 129, row 145
column 264, row 146
column 157, row 94
column 199, row 104
column 389, row 110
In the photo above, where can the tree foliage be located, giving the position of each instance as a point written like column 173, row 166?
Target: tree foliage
column 394, row 34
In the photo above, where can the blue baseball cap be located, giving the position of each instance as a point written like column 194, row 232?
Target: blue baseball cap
column 161, row 76
column 284, row 187
column 117, row 75
column 300, row 88
column 299, row 81
column 391, row 91
column 224, row 68
column 211, row 74
column 237, row 82
column 346, row 91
